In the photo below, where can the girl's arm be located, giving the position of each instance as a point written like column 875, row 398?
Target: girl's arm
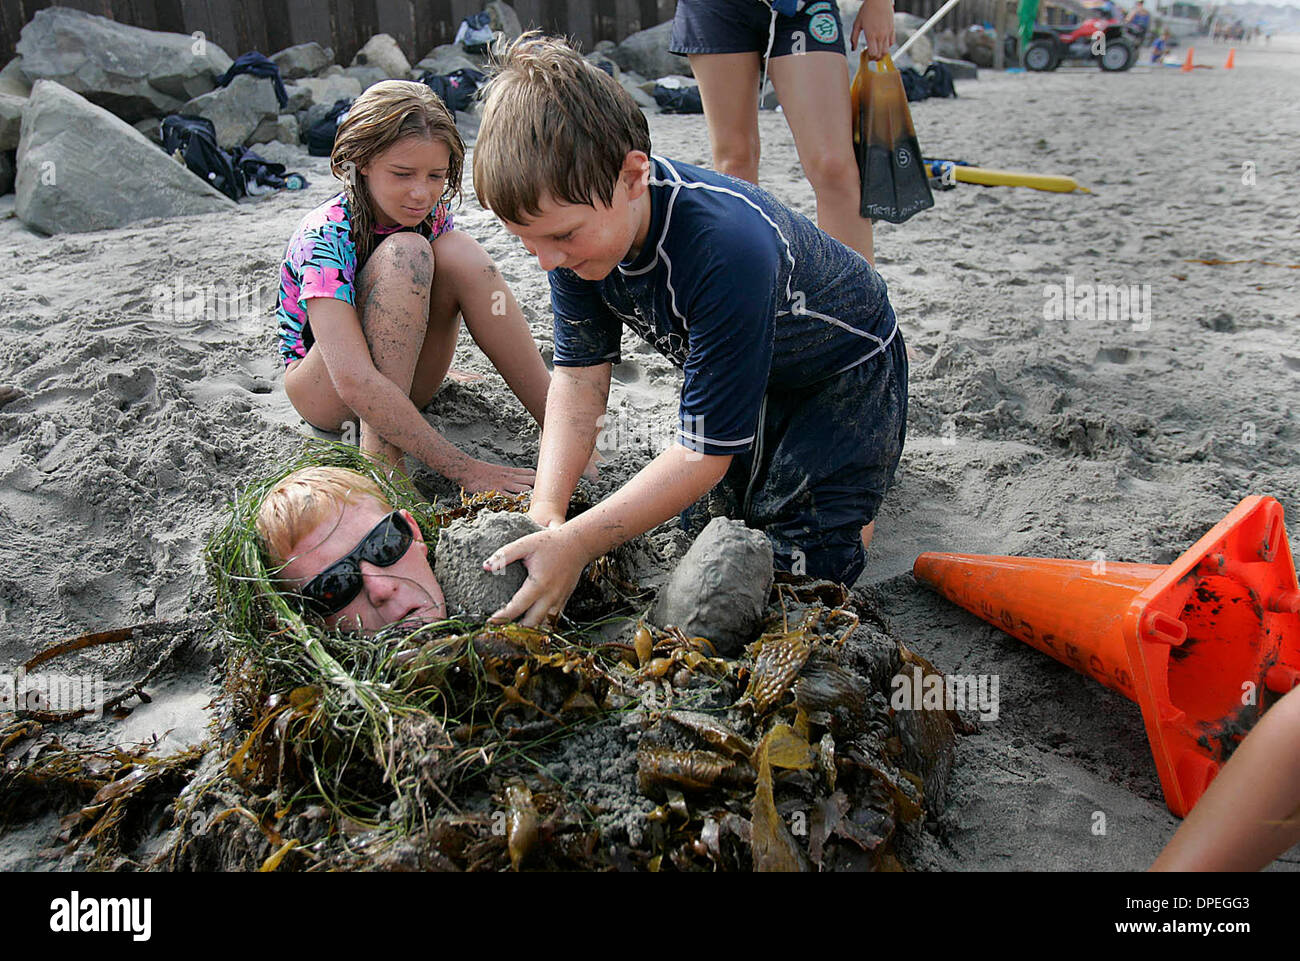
column 1250, row 813
column 386, row 408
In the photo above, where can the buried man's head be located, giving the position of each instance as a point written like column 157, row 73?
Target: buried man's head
column 343, row 555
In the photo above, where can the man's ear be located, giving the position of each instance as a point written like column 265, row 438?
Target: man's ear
column 636, row 173
column 415, row 528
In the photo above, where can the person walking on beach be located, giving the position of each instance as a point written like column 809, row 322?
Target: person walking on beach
column 801, row 44
column 1140, row 19
column 376, row 279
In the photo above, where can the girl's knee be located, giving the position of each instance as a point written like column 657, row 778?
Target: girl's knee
column 405, row 253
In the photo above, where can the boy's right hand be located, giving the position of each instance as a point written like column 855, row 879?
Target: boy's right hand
column 482, row 476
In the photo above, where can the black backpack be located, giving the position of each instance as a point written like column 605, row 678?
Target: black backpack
column 320, row 136
column 196, row 139
column 455, row 89
column 939, row 77
column 678, row 99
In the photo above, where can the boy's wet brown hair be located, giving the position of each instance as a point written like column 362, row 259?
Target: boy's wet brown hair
column 554, row 126
column 386, row 113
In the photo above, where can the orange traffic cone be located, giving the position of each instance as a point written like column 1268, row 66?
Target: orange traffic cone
column 1203, row 645
column 1187, row 64
column 1232, row 54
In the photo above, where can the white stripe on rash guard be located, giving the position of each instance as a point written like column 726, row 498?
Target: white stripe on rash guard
column 883, row 344
column 716, row 443
column 679, row 183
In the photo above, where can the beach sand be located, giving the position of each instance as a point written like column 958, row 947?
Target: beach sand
column 139, row 416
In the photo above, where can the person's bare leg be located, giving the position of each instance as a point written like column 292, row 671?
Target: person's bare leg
column 868, row 532
column 729, row 90
column 814, row 93
column 467, row 283
column 391, row 295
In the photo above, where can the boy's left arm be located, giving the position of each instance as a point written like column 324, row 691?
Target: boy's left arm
column 665, row 487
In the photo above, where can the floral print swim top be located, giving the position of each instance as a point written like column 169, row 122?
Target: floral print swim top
column 321, row 261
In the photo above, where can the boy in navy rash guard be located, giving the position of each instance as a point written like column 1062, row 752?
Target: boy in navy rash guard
column 795, row 375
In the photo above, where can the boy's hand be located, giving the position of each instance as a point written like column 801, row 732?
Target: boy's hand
column 875, row 22
column 554, row 561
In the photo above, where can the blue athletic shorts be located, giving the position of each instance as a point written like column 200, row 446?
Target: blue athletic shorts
column 819, row 469
column 744, row 26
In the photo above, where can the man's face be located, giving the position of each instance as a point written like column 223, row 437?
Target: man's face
column 589, row 240
column 407, row 179
column 404, row 591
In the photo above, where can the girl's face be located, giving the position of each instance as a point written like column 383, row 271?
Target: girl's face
column 407, row 180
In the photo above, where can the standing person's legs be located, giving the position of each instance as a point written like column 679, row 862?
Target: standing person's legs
column 729, row 90
column 814, row 92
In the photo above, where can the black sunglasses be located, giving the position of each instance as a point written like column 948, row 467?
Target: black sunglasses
column 338, row 585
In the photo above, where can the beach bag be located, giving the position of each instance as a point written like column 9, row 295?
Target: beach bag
column 196, row 140
column 683, row 99
column 455, row 89
column 475, row 33
column 894, row 182
column 321, row 134
column 914, row 85
column 939, row 77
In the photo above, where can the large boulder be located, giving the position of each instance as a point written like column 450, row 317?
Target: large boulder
column 299, row 98
column 921, row 52
column 326, row 90
column 382, row 51
column 13, row 81
column 134, row 73
column 238, row 109
column 444, row 59
column 979, row 48
column 368, row 76
column 81, row 168
column 646, row 52
column 302, row 60
column 504, row 19
column 947, row 43
column 11, row 120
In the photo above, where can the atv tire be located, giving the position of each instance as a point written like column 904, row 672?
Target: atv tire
column 1041, row 56
column 1119, row 56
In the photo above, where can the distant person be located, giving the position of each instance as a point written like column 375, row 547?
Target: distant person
column 342, row 556
column 1160, row 47
column 1250, row 814
column 800, row 45
column 1140, row 19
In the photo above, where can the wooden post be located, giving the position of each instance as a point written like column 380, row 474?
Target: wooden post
column 1000, row 28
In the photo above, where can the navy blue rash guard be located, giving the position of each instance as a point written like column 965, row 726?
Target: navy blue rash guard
column 737, row 290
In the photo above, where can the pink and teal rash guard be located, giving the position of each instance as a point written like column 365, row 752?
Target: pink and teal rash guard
column 321, row 261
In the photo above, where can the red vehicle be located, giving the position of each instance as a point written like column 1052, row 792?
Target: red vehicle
column 1109, row 42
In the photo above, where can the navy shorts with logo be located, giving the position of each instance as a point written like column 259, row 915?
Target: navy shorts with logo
column 744, row 26
column 819, row 469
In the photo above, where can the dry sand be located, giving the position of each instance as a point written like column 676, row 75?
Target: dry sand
column 1026, row 436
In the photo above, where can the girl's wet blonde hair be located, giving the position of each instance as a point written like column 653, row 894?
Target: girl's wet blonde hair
column 300, row 502
column 386, row 113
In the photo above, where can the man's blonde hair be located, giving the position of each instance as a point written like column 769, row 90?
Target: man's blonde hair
column 554, row 126
column 386, row 113
column 300, row 502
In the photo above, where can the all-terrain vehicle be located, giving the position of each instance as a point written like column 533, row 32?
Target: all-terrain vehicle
column 1111, row 43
